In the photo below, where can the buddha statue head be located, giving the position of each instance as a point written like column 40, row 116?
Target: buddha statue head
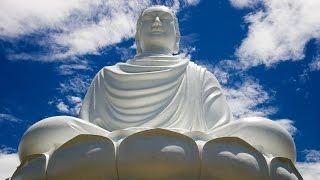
column 157, row 32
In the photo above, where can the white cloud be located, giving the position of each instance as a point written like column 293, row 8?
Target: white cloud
column 125, row 52
column 75, row 103
column 244, row 3
column 221, row 75
column 71, row 89
column 75, row 85
column 192, row 2
column 309, row 170
column 8, row 162
column 74, row 99
column 288, row 125
column 279, row 31
column 312, row 155
column 19, row 17
column 71, row 105
column 8, row 117
column 73, row 27
column 118, row 25
column 69, row 69
column 245, row 98
column 225, row 69
column 62, row 107
column 315, row 65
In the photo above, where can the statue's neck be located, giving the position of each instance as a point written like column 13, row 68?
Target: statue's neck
column 157, row 56
column 146, row 55
column 156, row 51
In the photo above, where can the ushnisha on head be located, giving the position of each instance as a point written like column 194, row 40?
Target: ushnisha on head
column 157, row 32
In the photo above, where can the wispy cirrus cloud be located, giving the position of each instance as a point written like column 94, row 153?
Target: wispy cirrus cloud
column 315, row 65
column 71, row 105
column 312, row 155
column 72, row 89
column 244, row 99
column 288, row 125
column 77, row 84
column 8, row 118
column 244, row 3
column 277, row 30
column 72, row 68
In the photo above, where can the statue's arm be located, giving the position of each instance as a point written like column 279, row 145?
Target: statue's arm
column 87, row 104
column 88, row 107
column 215, row 107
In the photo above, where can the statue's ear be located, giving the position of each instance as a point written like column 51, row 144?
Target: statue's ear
column 137, row 36
column 176, row 45
column 138, row 46
column 177, row 29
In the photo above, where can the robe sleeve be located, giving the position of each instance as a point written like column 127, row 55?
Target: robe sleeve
column 89, row 102
column 216, row 111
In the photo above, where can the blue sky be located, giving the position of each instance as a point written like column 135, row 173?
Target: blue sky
column 265, row 54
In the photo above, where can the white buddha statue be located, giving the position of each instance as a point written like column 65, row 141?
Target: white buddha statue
column 157, row 116
column 156, row 88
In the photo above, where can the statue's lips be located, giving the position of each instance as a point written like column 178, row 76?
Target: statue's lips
column 157, row 31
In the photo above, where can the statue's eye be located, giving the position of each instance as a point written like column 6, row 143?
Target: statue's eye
column 147, row 18
column 166, row 17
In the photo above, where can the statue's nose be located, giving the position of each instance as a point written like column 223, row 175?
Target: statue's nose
column 157, row 19
column 156, row 22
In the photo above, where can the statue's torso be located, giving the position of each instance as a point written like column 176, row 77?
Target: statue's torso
column 155, row 93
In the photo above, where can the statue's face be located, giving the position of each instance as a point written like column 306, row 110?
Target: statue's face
column 157, row 31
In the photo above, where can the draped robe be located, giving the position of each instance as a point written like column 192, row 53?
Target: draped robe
column 156, row 92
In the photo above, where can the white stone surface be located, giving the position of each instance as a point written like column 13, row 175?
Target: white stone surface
column 84, row 157
column 283, row 169
column 164, row 92
column 232, row 158
column 34, row 168
column 142, row 153
column 158, row 154
column 48, row 134
column 265, row 135
column 157, row 116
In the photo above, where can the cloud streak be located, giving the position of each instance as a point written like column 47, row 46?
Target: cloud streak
column 244, row 3
column 72, row 105
column 315, row 65
column 8, row 118
column 288, row 125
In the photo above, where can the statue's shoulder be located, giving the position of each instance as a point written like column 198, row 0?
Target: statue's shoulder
column 100, row 75
column 106, row 69
column 206, row 73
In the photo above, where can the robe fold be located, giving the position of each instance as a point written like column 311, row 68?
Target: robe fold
column 156, row 92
